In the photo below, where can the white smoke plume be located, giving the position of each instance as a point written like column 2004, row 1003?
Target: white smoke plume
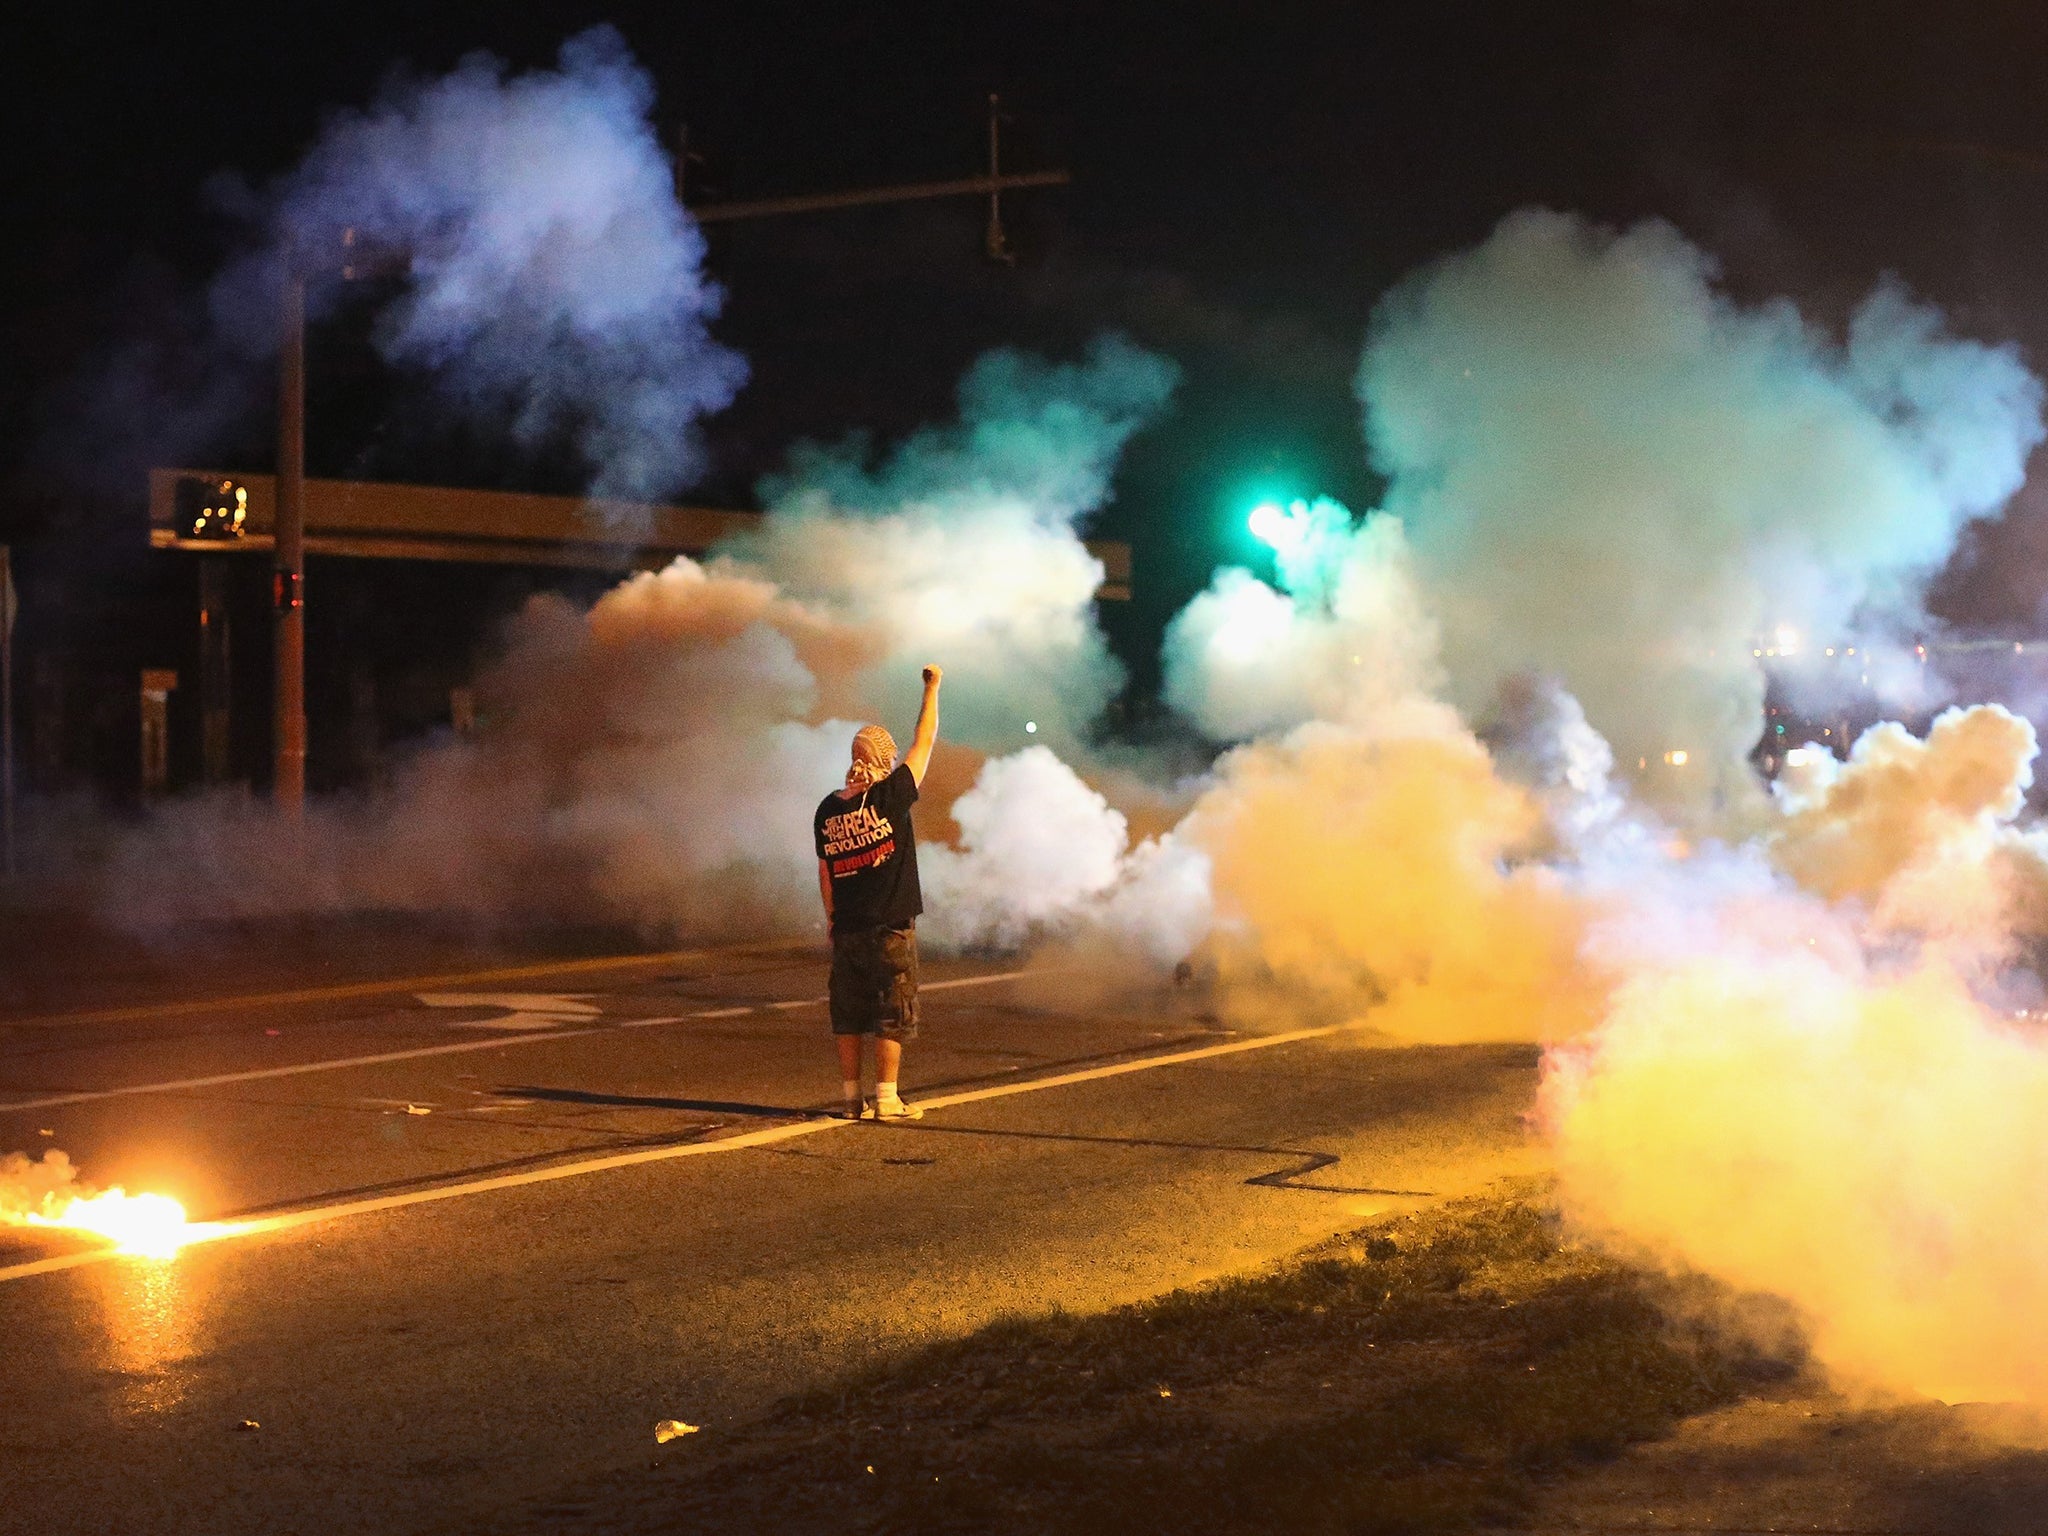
column 1612, row 473
column 655, row 759
column 1036, row 845
column 522, row 237
column 1779, row 1060
column 1922, row 833
column 1348, row 638
column 964, row 541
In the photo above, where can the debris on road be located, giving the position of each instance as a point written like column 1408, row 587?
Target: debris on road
column 40, row 1132
column 419, row 1109
column 672, row 1429
column 246, row 1424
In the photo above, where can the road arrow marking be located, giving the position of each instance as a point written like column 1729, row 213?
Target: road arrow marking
column 522, row 1010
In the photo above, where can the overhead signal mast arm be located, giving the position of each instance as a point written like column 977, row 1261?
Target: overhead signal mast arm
column 966, row 186
column 991, row 184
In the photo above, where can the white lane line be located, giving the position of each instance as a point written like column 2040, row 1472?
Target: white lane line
column 394, row 986
column 336, row 1064
column 524, row 1037
column 218, row 1231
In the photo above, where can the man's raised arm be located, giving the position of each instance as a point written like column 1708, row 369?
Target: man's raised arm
column 919, row 757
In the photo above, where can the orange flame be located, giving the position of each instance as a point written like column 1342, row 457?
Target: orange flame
column 151, row 1226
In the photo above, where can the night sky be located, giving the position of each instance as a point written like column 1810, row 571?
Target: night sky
column 1248, row 179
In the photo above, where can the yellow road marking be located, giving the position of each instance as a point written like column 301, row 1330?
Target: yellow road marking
column 761, row 1138
column 344, row 991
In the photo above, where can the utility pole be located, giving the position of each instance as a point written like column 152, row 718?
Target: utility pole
column 995, row 244
column 9, row 607
column 685, row 158
column 288, row 592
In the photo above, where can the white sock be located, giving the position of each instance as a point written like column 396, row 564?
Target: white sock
column 884, row 1092
column 850, row 1087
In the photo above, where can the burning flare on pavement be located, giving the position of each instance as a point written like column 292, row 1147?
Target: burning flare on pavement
column 46, row 1193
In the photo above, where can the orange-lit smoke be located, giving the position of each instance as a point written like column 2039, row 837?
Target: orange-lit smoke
column 1873, row 1149
column 1923, row 834
column 1353, row 872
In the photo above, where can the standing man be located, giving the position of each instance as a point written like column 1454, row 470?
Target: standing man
column 867, row 874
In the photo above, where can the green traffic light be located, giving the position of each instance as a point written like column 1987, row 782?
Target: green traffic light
column 1283, row 528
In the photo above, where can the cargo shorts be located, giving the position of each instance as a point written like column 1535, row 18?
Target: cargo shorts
column 874, row 982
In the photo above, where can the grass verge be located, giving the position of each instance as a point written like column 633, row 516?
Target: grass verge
column 1424, row 1374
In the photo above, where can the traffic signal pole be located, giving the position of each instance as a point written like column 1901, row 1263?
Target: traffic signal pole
column 288, row 789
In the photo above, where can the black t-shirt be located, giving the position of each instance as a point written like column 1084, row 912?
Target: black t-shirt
column 870, row 848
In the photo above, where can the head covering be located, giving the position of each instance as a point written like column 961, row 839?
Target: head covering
column 874, row 754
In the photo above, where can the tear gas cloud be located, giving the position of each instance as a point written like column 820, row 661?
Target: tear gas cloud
column 1771, row 1058
column 549, row 285
column 655, row 759
column 1613, row 473
column 963, row 541
column 1602, row 470
column 553, row 281
column 1865, row 1143
column 1923, row 834
column 1347, row 638
column 1355, row 871
column 1782, row 1061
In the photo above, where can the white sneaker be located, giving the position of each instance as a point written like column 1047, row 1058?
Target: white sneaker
column 896, row 1109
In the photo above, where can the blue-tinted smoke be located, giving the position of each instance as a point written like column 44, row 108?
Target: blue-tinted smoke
column 552, row 284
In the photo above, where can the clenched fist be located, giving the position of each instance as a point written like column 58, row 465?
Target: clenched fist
column 932, row 676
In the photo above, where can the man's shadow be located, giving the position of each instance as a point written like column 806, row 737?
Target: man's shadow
column 638, row 1101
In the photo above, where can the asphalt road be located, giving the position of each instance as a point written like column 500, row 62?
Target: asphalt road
column 492, row 1225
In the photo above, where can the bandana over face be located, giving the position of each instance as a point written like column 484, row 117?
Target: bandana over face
column 874, row 754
